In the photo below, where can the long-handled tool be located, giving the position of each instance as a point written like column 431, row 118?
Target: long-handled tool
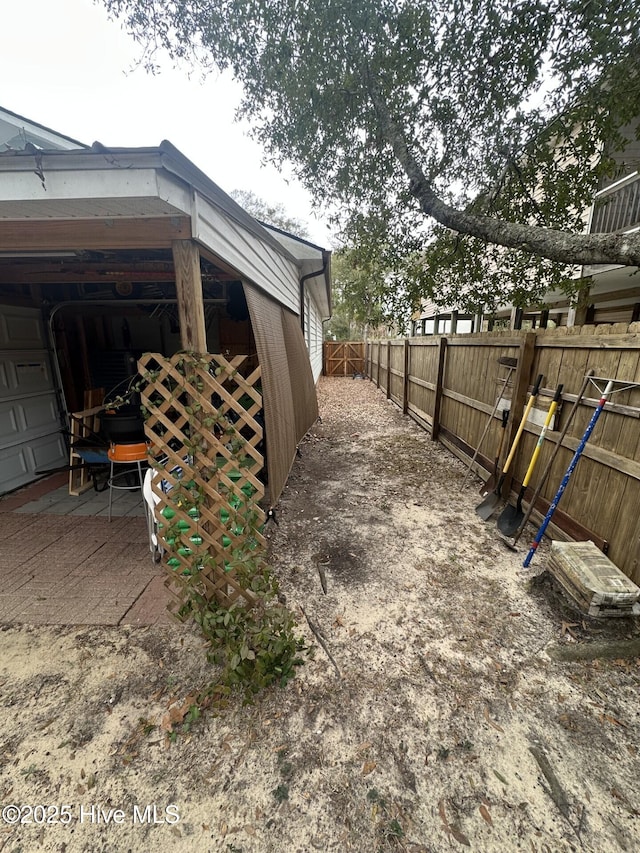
column 511, row 543
column 490, row 485
column 510, row 364
column 486, row 507
column 565, row 480
column 511, row 516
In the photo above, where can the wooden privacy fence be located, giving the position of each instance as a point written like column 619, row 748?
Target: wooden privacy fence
column 343, row 358
column 450, row 386
column 204, row 430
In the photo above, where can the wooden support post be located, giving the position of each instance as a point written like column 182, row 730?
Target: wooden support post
column 516, row 318
column 437, row 405
column 405, row 378
column 186, row 262
column 454, row 322
column 388, row 370
column 378, row 365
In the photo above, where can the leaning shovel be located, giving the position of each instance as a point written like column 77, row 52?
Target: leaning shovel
column 490, row 485
column 511, row 516
column 486, row 507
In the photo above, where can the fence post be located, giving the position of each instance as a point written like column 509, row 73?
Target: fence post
column 437, row 405
column 405, row 379
column 388, row 369
column 378, row 365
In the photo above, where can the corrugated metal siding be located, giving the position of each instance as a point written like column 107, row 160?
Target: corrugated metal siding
column 279, row 413
column 305, row 404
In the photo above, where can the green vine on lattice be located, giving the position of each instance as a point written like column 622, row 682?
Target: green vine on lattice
column 257, row 646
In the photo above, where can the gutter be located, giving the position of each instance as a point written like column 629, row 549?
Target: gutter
column 303, row 280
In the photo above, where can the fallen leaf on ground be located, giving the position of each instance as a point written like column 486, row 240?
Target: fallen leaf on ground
column 607, row 718
column 484, row 811
column 500, row 777
column 459, row 836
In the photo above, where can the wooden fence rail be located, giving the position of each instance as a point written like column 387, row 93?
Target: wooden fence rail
column 450, row 386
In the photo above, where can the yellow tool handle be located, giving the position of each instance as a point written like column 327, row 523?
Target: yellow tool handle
column 514, row 446
column 540, row 442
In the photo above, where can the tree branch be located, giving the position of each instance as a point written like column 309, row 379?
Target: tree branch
column 561, row 246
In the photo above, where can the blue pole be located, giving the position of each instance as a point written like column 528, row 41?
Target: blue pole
column 568, row 473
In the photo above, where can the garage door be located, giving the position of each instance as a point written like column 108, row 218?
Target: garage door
column 30, row 436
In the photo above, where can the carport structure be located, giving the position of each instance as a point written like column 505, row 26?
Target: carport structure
column 122, row 251
column 106, row 253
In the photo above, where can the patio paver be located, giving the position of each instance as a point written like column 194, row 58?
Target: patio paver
column 63, row 563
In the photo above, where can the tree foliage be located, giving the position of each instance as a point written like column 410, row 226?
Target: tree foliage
column 270, row 214
column 495, row 118
column 366, row 299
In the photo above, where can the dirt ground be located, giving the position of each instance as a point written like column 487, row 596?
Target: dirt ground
column 441, row 723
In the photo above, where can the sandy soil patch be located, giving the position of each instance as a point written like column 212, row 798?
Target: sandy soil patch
column 426, row 732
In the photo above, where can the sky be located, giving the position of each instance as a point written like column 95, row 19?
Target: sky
column 65, row 65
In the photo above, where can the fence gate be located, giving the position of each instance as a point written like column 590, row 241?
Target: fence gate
column 343, row 358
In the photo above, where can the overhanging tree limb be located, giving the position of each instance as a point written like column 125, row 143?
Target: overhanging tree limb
column 455, row 87
column 548, row 243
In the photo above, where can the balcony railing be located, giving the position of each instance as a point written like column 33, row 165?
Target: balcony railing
column 617, row 208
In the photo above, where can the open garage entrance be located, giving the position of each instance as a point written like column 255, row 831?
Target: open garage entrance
column 73, row 333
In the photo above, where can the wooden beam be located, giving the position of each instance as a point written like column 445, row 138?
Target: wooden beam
column 231, row 273
column 590, row 342
column 415, row 380
column 96, row 234
column 497, row 341
column 193, row 332
column 98, row 275
column 388, row 370
column 405, row 378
